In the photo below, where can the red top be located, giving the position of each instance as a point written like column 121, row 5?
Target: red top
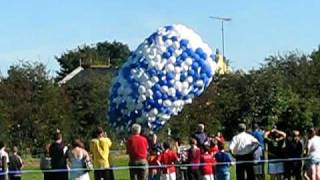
column 220, row 139
column 137, row 147
column 208, row 164
column 194, row 156
column 153, row 161
column 213, row 150
column 168, row 158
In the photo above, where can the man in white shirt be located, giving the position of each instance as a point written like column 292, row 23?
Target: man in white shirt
column 243, row 146
column 4, row 161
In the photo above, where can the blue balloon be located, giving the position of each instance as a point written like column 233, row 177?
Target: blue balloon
column 142, row 85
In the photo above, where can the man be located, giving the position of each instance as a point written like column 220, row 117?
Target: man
column 137, row 148
column 58, row 154
column 243, row 145
column 259, row 167
column 293, row 150
column 99, row 148
column 4, row 160
column 200, row 135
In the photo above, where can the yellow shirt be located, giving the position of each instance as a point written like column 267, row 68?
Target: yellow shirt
column 99, row 148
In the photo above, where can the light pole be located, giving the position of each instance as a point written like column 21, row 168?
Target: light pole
column 222, row 19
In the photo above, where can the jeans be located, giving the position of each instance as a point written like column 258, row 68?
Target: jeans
column 223, row 176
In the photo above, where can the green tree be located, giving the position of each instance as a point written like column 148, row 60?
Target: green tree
column 31, row 104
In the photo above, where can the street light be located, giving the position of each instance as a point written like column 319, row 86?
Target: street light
column 222, row 19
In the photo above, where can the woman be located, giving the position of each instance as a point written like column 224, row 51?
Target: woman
column 45, row 162
column 194, row 159
column 77, row 157
column 313, row 153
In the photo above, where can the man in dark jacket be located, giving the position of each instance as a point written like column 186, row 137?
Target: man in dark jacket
column 58, row 154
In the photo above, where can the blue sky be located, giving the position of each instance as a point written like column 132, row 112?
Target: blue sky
column 38, row 30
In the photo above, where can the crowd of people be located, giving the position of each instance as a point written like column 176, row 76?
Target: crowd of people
column 288, row 155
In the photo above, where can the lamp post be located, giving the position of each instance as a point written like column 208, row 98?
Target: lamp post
column 222, row 19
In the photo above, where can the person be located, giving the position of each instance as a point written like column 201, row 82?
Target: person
column 200, row 136
column 194, row 155
column 154, row 144
column 77, row 157
column 4, row 161
column 207, row 164
column 182, row 151
column 275, row 140
column 15, row 164
column 99, row 149
column 137, row 148
column 213, row 149
column 313, row 153
column 168, row 159
column 293, row 150
column 220, row 138
column 242, row 146
column 223, row 160
column 58, row 155
column 45, row 163
column 258, row 133
column 154, row 172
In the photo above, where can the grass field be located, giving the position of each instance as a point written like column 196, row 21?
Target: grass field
column 116, row 160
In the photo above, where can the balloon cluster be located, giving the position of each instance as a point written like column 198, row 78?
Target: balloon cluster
column 164, row 73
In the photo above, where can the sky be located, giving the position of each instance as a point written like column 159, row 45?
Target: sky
column 39, row 30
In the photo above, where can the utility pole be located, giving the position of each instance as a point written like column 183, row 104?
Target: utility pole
column 222, row 19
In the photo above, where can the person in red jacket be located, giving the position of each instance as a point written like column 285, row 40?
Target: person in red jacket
column 168, row 158
column 207, row 165
column 137, row 148
column 194, row 154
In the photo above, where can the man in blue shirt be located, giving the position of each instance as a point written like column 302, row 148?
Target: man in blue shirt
column 223, row 164
column 259, row 135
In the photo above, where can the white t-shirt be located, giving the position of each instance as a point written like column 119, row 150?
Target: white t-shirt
column 243, row 143
column 3, row 153
column 314, row 147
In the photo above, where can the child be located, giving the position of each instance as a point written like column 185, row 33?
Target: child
column 207, row 164
column 153, row 158
column 168, row 158
column 223, row 160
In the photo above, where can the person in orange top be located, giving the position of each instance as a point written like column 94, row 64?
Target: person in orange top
column 168, row 158
column 99, row 148
column 154, row 172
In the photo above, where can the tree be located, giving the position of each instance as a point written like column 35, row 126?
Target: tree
column 31, row 104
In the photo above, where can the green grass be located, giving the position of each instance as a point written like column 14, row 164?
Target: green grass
column 115, row 160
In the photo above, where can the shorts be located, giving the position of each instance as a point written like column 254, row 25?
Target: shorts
column 169, row 176
column 276, row 168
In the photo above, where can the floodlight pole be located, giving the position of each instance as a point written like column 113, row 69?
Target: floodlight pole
column 222, row 19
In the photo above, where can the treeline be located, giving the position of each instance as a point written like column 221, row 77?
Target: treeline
column 285, row 90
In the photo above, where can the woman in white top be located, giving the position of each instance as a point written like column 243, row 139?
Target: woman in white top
column 313, row 153
column 77, row 155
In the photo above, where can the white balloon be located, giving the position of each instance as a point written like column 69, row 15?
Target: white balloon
column 164, row 89
column 199, row 83
column 167, row 103
column 170, row 67
column 172, row 60
column 189, row 61
column 141, row 89
column 189, row 79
